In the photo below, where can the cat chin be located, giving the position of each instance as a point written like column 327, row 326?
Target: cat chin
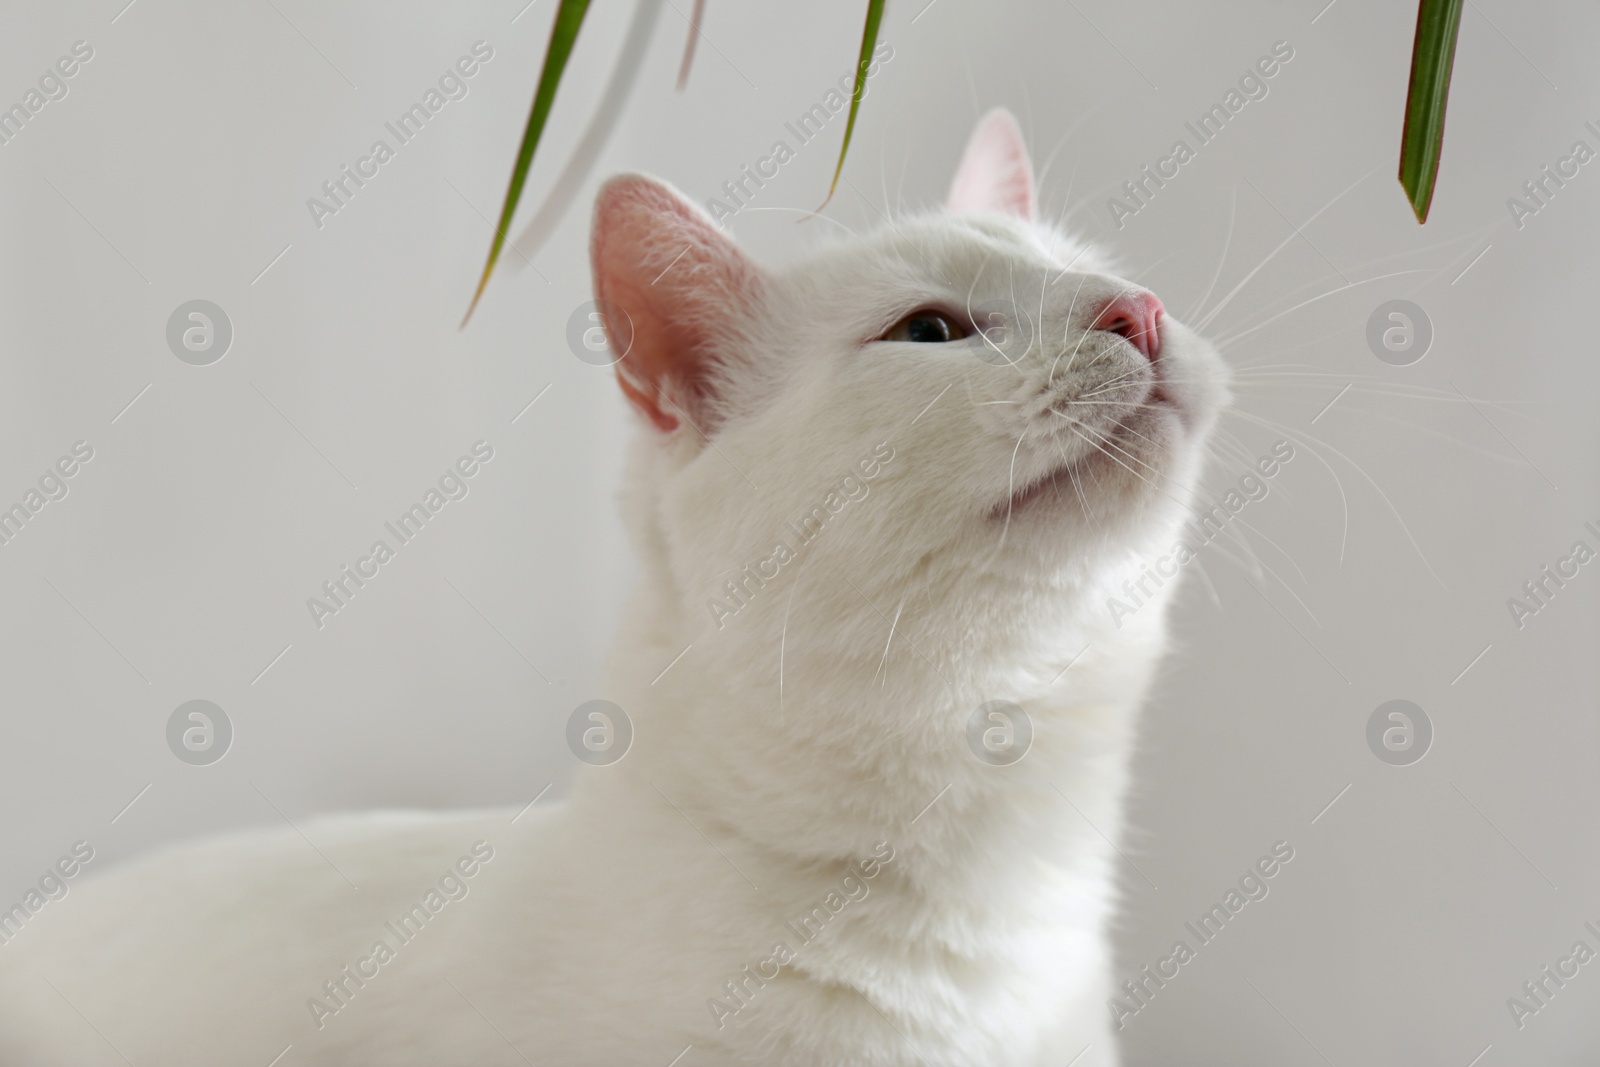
column 1133, row 461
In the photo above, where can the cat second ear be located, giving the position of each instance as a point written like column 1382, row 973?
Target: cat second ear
column 670, row 285
column 995, row 174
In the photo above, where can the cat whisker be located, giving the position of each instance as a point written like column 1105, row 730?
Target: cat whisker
column 1061, row 142
column 1227, row 242
column 1468, row 239
column 1363, row 384
column 1072, row 476
column 1110, row 386
column 1286, row 556
column 1057, row 230
column 1226, row 341
column 802, row 211
column 1146, row 272
column 1294, row 233
column 1102, row 450
column 1129, row 429
column 882, row 663
column 783, row 634
column 1072, row 307
column 1081, row 253
column 1152, row 442
column 1370, row 481
column 1239, row 451
column 1409, row 424
column 1011, row 493
column 1100, row 446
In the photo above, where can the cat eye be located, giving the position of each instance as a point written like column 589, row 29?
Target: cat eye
column 925, row 327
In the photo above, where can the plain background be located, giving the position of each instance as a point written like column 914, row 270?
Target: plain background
column 179, row 565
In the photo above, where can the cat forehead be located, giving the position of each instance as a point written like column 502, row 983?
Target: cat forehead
column 941, row 248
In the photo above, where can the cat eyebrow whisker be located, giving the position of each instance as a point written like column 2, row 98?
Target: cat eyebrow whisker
column 888, row 221
column 1466, row 239
column 802, row 211
column 1049, row 161
column 1297, row 232
column 1011, row 285
column 1070, row 309
column 1081, row 253
column 1146, row 272
column 1227, row 242
column 981, row 331
column 1057, row 231
column 1223, row 344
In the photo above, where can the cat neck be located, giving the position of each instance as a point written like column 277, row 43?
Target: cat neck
column 813, row 755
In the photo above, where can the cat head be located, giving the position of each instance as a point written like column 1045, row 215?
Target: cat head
column 963, row 416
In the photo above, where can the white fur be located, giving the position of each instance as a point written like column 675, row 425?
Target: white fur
column 817, row 722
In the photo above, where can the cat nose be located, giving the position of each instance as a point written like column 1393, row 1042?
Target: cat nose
column 1136, row 316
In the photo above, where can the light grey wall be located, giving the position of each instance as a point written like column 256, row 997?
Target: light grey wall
column 177, row 567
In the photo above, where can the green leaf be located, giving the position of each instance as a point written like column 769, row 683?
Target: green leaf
column 1432, row 57
column 869, row 40
column 563, row 35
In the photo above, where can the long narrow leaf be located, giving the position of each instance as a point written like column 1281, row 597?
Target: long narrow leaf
column 688, row 48
column 624, row 73
column 563, row 35
column 869, row 41
column 1433, row 55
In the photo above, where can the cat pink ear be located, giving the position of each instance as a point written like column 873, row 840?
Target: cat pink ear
column 994, row 175
column 669, row 285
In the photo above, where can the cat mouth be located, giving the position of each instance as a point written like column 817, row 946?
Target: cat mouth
column 1125, row 445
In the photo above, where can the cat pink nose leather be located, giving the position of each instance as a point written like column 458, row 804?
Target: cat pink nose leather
column 1136, row 316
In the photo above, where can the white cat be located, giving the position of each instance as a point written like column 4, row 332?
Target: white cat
column 880, row 716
